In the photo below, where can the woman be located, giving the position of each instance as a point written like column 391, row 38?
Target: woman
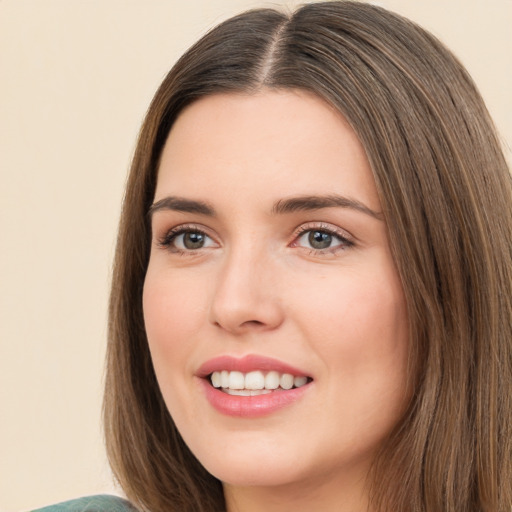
column 311, row 304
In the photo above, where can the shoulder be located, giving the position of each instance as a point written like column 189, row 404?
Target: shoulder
column 100, row 503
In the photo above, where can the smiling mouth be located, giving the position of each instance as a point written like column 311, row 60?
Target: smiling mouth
column 255, row 383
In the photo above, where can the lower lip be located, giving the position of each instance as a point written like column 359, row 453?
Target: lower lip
column 251, row 406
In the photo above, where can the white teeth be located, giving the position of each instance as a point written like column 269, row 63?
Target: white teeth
column 256, row 392
column 247, row 392
column 299, row 381
column 255, row 382
column 216, row 379
column 238, row 392
column 236, row 380
column 286, row 381
column 272, row 380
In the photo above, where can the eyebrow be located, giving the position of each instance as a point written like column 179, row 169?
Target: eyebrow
column 283, row 206
column 180, row 204
column 306, row 203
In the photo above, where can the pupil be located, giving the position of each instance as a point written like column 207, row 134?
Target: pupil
column 320, row 239
column 193, row 240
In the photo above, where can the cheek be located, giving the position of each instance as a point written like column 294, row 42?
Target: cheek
column 357, row 306
column 172, row 312
column 357, row 323
column 171, row 305
column 172, row 315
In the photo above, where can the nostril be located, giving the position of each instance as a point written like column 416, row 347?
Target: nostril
column 247, row 324
column 253, row 323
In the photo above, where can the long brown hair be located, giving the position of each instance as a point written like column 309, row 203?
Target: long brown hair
column 446, row 194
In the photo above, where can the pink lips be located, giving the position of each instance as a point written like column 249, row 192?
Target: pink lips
column 246, row 364
column 249, row 406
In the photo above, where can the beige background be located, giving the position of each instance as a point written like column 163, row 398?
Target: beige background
column 76, row 78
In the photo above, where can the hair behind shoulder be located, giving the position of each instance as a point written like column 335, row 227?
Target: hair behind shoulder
column 446, row 194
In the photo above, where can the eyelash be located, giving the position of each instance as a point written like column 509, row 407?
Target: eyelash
column 345, row 242
column 167, row 241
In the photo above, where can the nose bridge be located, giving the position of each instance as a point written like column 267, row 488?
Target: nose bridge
column 244, row 297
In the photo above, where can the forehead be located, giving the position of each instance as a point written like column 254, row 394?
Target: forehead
column 271, row 143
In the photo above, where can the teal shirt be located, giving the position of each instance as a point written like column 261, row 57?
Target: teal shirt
column 101, row 503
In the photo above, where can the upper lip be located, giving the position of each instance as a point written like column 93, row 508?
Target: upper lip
column 247, row 364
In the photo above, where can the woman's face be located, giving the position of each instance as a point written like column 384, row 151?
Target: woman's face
column 270, row 266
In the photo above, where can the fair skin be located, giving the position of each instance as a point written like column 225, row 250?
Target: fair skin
column 246, row 263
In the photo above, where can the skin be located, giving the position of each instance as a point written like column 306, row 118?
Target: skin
column 258, row 287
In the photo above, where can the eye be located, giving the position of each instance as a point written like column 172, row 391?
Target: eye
column 318, row 239
column 191, row 240
column 322, row 240
column 185, row 239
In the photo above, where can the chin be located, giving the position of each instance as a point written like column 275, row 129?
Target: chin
column 249, row 463
column 260, row 474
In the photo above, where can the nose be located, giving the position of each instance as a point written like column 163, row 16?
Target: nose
column 245, row 297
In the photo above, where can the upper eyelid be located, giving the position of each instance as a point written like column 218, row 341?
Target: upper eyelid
column 298, row 231
column 167, row 235
column 179, row 228
column 323, row 226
